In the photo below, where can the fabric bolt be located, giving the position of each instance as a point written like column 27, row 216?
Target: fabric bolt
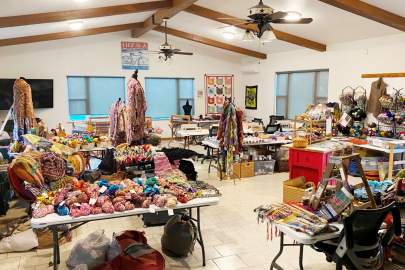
column 23, row 108
column 135, row 109
column 378, row 89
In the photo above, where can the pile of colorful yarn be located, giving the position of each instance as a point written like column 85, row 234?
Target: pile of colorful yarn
column 134, row 154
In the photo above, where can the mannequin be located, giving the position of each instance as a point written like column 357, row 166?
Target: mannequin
column 187, row 108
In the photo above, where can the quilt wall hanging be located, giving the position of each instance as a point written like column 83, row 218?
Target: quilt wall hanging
column 251, row 97
column 218, row 88
column 134, row 55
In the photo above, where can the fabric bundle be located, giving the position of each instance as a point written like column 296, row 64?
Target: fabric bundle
column 117, row 123
column 53, row 167
column 136, row 109
column 230, row 134
column 28, row 169
column 23, row 108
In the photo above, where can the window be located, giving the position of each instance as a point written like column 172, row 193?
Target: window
column 93, row 96
column 296, row 90
column 166, row 96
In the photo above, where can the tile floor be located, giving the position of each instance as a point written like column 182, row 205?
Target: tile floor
column 232, row 236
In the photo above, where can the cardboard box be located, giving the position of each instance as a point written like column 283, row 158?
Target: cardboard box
column 294, row 189
column 240, row 170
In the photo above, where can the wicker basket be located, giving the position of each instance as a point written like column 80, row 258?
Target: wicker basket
column 300, row 142
column 294, row 189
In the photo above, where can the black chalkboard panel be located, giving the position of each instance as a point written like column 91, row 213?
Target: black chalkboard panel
column 42, row 93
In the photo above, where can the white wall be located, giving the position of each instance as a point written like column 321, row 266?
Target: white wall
column 100, row 55
column 346, row 62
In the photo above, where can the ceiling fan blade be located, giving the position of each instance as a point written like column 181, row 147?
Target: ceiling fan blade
column 300, row 21
column 184, row 53
column 277, row 15
column 153, row 52
column 230, row 18
column 238, row 24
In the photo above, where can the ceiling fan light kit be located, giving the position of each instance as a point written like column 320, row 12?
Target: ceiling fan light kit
column 248, row 36
column 293, row 16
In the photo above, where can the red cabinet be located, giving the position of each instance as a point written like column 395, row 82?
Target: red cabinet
column 308, row 163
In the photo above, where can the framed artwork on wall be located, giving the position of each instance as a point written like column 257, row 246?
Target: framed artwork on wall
column 217, row 89
column 251, row 97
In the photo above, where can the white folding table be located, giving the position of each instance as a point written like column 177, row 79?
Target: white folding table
column 52, row 221
column 301, row 240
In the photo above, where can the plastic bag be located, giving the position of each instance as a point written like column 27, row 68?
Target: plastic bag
column 23, row 241
column 90, row 251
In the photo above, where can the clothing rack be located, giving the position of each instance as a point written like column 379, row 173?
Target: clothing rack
column 384, row 75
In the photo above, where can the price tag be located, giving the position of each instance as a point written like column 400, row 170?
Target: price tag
column 152, row 209
column 92, row 201
column 132, row 191
column 170, row 212
column 77, row 204
column 103, row 189
column 62, row 203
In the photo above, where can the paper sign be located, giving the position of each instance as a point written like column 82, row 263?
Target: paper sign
column 152, row 209
column 92, row 201
column 103, row 189
column 170, row 212
column 62, row 203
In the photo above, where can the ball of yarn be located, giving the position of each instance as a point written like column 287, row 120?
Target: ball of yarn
column 159, row 200
column 101, row 200
column 112, row 189
column 129, row 206
column 108, row 207
column 83, row 198
column 118, row 200
column 171, row 202
column 119, row 207
column 95, row 210
column 138, row 199
column 42, row 211
column 85, row 209
column 75, row 211
column 63, row 210
column 146, row 203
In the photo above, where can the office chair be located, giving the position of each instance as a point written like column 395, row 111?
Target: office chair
column 275, row 118
column 360, row 246
column 271, row 129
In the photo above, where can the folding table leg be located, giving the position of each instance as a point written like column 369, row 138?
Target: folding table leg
column 56, row 252
column 200, row 240
column 301, row 256
column 274, row 262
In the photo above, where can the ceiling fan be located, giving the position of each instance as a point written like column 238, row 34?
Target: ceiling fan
column 166, row 50
column 263, row 16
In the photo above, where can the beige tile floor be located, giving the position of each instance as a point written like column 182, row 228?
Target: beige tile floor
column 232, row 236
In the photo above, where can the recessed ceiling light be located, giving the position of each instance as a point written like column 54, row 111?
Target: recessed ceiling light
column 228, row 35
column 75, row 26
column 293, row 16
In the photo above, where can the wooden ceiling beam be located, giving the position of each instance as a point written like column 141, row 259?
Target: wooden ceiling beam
column 157, row 18
column 218, row 16
column 210, row 42
column 68, row 34
column 370, row 12
column 60, row 16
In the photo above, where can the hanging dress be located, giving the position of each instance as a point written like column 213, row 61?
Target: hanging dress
column 117, row 130
column 23, row 108
column 136, row 108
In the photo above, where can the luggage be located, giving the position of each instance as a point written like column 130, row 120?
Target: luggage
column 132, row 251
column 180, row 234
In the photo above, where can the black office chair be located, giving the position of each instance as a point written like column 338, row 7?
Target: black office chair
column 275, row 118
column 271, row 129
column 360, row 246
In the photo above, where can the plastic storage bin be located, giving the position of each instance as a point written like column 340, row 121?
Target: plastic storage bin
column 263, row 167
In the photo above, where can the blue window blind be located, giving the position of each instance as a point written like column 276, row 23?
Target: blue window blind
column 296, row 90
column 166, row 96
column 93, row 96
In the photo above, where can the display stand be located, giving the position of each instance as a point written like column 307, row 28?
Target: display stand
column 342, row 162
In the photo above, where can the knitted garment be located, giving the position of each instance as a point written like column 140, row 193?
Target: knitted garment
column 23, row 108
column 117, row 123
column 230, row 134
column 136, row 109
column 53, row 167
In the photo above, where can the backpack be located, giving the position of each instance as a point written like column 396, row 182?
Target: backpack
column 133, row 252
column 180, row 234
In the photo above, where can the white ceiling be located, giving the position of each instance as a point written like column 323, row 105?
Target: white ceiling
column 330, row 25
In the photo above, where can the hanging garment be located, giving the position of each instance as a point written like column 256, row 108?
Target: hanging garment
column 117, row 131
column 378, row 89
column 23, row 108
column 230, row 134
column 136, row 109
